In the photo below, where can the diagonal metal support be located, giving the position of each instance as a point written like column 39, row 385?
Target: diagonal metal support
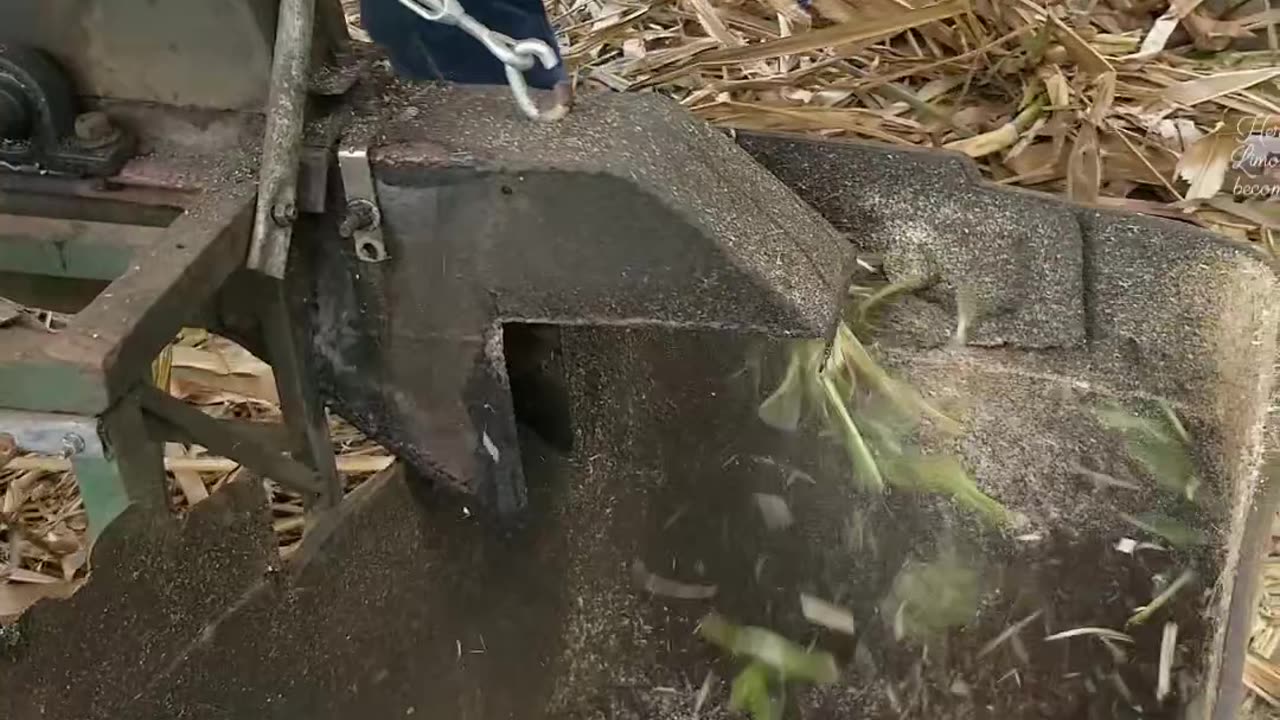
column 237, row 443
column 286, row 333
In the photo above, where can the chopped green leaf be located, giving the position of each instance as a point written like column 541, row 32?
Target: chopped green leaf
column 790, row 660
column 1175, row 531
column 750, row 693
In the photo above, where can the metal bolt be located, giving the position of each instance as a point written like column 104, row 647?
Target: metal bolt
column 72, row 444
column 360, row 215
column 284, row 213
column 94, row 129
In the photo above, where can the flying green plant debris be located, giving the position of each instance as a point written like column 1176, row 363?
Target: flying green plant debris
column 930, row 598
column 1161, row 446
column 1178, row 533
column 750, row 693
column 785, row 405
column 791, row 661
column 865, row 468
column 943, row 474
column 873, row 415
column 862, row 312
column 849, row 352
column 1144, row 613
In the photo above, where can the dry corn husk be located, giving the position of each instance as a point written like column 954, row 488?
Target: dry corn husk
column 1095, row 103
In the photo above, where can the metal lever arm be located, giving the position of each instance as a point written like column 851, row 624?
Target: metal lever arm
column 277, row 186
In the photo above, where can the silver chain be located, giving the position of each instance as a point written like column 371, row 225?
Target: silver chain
column 516, row 56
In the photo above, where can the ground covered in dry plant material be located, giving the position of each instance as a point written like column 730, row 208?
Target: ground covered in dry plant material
column 1121, row 103
column 1262, row 673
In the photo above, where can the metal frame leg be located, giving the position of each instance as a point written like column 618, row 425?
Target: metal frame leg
column 286, row 338
column 129, row 472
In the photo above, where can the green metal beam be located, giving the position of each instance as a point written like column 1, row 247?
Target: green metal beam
column 70, row 248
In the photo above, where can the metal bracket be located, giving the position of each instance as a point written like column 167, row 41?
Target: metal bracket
column 52, row 433
column 362, row 222
column 39, row 127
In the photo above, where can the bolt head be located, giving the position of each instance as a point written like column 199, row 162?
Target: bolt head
column 72, row 444
column 95, row 129
column 284, row 213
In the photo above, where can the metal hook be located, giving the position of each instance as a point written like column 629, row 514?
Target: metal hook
column 562, row 94
column 440, row 12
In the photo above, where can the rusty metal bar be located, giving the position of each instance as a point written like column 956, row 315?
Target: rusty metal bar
column 277, row 187
column 236, row 442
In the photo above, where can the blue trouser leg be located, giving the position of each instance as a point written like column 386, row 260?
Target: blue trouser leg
column 424, row 50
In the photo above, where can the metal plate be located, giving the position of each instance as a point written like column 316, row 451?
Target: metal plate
column 201, row 53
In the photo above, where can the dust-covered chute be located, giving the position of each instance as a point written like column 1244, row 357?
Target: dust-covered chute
column 337, row 379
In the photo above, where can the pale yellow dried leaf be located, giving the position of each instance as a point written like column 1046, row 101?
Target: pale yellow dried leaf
column 1056, row 86
column 191, row 485
column 15, row 598
column 710, row 21
column 1085, row 55
column 1104, row 96
column 22, row 575
column 1192, row 92
column 1205, row 164
column 347, row 464
column 1212, row 34
column 1158, row 36
column 1263, row 677
column 1038, row 156
column 836, row 35
column 987, row 143
column 827, row 615
column 1084, row 166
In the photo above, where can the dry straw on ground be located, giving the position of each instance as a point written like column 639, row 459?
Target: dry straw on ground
column 1117, row 103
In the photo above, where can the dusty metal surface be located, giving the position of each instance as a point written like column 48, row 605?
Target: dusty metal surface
column 162, row 584
column 106, row 347
column 404, row 603
column 628, row 212
column 1136, row 305
column 162, row 52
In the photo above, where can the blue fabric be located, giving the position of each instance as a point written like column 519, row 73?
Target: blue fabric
column 423, row 50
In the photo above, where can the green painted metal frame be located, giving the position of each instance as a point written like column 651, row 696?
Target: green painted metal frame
column 99, row 367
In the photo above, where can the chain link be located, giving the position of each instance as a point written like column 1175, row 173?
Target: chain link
column 516, row 56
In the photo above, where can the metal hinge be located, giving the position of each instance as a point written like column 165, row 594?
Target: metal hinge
column 362, row 219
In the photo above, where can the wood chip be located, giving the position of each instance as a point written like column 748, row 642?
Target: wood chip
column 658, row 585
column 827, row 615
column 1099, row 632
